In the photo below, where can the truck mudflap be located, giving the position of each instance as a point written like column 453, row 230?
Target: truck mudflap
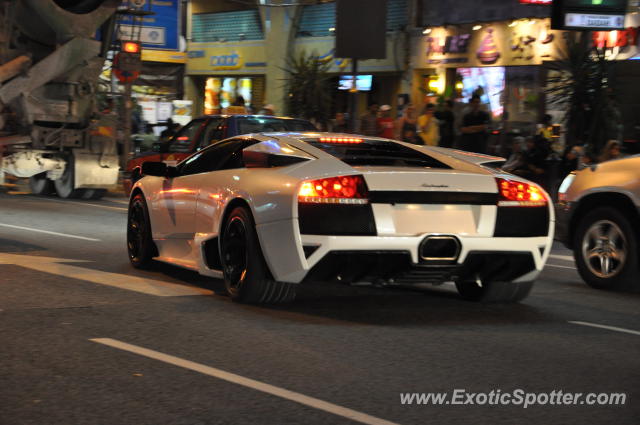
column 95, row 171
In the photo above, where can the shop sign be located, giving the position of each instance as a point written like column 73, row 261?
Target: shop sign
column 450, row 44
column 611, row 39
column 524, row 42
column 229, row 61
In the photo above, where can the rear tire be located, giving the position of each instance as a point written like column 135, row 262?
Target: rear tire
column 93, row 194
column 246, row 275
column 494, row 292
column 65, row 185
column 140, row 245
column 41, row 185
column 607, row 236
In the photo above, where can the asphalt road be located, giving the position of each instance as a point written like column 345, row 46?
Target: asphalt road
column 86, row 339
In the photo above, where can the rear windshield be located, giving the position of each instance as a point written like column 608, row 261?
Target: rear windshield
column 264, row 124
column 380, row 153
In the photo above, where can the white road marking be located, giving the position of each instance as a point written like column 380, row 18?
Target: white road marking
column 560, row 267
column 122, row 281
column 65, row 235
column 247, row 382
column 561, row 257
column 87, row 204
column 611, row 328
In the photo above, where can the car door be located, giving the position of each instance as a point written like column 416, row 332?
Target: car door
column 215, row 185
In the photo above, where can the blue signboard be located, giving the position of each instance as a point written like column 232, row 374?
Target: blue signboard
column 159, row 31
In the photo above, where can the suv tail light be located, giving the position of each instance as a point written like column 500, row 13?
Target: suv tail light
column 513, row 193
column 334, row 190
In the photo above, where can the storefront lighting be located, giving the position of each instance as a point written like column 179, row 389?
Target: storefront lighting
column 332, row 29
column 513, row 24
column 532, row 21
column 476, row 27
column 426, row 31
column 459, row 86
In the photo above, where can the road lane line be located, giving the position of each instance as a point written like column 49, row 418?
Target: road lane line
column 65, row 235
column 560, row 267
column 79, row 203
column 611, row 328
column 561, row 257
column 122, row 281
column 247, row 382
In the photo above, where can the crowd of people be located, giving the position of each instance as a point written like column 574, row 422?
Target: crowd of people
column 536, row 156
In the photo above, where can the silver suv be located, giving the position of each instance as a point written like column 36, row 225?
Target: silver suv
column 598, row 217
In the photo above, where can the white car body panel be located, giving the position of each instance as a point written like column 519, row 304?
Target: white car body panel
column 187, row 211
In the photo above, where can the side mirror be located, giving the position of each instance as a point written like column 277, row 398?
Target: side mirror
column 158, row 169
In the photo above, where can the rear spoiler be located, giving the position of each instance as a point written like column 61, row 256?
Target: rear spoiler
column 473, row 157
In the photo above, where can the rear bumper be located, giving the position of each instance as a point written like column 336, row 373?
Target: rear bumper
column 374, row 258
column 396, row 268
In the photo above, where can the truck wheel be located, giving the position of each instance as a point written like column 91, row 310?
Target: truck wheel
column 93, row 194
column 41, row 185
column 494, row 292
column 246, row 275
column 65, row 184
column 605, row 247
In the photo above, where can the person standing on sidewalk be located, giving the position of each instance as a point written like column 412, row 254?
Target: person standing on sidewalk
column 428, row 126
column 446, row 118
column 369, row 121
column 385, row 123
column 474, row 128
column 407, row 126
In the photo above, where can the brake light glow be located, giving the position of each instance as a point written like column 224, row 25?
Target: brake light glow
column 334, row 190
column 344, row 140
column 519, row 194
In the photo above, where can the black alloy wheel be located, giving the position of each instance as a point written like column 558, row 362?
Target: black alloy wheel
column 140, row 244
column 235, row 252
column 246, row 275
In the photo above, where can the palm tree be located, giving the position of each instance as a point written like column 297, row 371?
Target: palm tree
column 580, row 83
column 309, row 93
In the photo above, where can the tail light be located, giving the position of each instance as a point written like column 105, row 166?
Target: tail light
column 519, row 194
column 334, row 190
column 341, row 140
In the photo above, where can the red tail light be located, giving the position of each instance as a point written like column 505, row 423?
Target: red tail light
column 342, row 140
column 334, row 190
column 519, row 194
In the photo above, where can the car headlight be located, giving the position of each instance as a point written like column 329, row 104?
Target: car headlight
column 566, row 184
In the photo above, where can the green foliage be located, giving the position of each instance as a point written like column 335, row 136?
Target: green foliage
column 580, row 84
column 309, row 92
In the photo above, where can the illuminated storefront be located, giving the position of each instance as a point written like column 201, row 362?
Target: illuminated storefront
column 221, row 72
column 499, row 61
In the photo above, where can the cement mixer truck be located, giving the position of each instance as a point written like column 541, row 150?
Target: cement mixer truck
column 51, row 129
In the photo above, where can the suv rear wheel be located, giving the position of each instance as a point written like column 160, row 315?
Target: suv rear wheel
column 605, row 247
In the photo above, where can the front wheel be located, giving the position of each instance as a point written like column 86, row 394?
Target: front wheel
column 494, row 292
column 246, row 275
column 140, row 244
column 606, row 249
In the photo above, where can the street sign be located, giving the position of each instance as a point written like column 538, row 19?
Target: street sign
column 588, row 15
column 126, row 69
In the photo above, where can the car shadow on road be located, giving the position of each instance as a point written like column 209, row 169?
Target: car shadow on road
column 335, row 303
column 399, row 307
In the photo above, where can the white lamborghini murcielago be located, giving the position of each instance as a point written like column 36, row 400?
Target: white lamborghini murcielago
column 266, row 212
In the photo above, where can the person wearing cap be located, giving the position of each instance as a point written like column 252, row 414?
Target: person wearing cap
column 384, row 123
column 268, row 109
